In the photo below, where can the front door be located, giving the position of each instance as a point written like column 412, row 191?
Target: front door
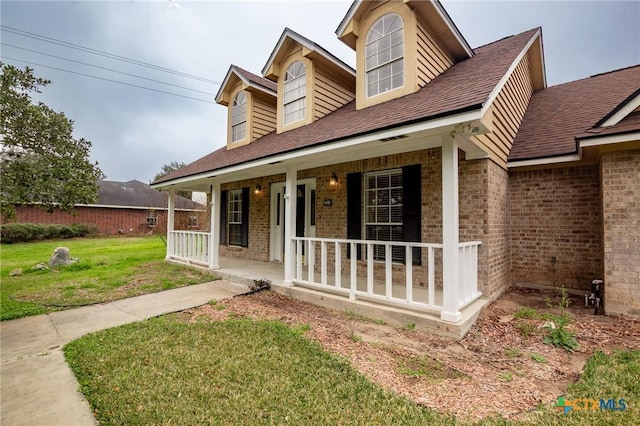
column 305, row 220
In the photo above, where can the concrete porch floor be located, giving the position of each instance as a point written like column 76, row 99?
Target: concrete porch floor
column 244, row 271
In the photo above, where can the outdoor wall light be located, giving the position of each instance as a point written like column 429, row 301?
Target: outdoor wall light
column 334, row 179
column 258, row 189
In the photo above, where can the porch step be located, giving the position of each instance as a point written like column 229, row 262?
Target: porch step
column 245, row 272
column 391, row 315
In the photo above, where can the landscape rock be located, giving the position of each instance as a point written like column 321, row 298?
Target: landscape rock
column 15, row 272
column 60, row 256
column 39, row 267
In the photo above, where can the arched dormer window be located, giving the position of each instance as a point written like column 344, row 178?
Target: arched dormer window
column 294, row 93
column 384, row 57
column 239, row 117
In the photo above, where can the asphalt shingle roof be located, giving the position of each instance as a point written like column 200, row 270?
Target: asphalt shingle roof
column 558, row 114
column 255, row 79
column 137, row 194
column 464, row 86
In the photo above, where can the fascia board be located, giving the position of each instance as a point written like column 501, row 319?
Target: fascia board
column 451, row 120
column 608, row 140
column 348, row 17
column 233, row 71
column 452, row 27
column 543, row 161
column 496, row 90
column 625, row 110
column 306, row 43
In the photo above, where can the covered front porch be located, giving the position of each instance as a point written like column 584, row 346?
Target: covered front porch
column 395, row 311
column 431, row 272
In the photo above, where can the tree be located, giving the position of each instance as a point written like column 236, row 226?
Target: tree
column 40, row 161
column 170, row 168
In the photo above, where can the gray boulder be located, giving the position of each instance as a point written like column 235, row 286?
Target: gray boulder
column 60, row 256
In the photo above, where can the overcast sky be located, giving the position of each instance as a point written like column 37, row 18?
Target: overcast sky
column 135, row 131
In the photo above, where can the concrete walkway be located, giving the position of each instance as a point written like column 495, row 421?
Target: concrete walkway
column 37, row 386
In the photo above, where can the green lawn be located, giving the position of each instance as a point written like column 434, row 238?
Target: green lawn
column 109, row 269
column 245, row 372
column 237, row 372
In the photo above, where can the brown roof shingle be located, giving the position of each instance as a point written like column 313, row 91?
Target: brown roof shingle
column 557, row 115
column 253, row 78
column 465, row 86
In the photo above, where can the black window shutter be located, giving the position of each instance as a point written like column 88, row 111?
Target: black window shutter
column 300, row 207
column 224, row 196
column 354, row 211
column 245, row 217
column 412, row 207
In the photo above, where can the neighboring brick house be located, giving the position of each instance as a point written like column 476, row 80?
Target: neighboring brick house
column 431, row 177
column 127, row 208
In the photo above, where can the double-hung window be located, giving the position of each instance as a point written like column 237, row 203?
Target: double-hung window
column 234, row 217
column 294, row 93
column 384, row 55
column 152, row 218
column 384, row 211
column 234, row 214
column 239, row 117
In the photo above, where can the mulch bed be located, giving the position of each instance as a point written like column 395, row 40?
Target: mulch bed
column 490, row 371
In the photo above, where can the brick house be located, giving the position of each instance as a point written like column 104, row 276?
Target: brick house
column 129, row 208
column 430, row 178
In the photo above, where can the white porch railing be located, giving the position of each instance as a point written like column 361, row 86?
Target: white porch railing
column 468, row 273
column 189, row 246
column 386, row 281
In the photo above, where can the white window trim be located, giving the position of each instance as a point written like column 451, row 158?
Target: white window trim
column 367, row 204
column 152, row 218
column 391, row 61
column 230, row 212
column 235, row 113
column 302, row 98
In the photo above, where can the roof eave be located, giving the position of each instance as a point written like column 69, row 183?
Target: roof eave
column 234, row 71
column 452, row 26
column 625, row 108
column 308, row 44
column 470, row 112
column 437, row 7
column 496, row 90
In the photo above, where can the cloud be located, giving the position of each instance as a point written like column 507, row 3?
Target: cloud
column 135, row 131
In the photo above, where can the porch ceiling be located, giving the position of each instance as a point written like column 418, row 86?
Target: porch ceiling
column 393, row 141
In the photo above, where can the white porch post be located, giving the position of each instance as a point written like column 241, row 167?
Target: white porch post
column 291, row 187
column 214, row 226
column 450, row 237
column 170, row 221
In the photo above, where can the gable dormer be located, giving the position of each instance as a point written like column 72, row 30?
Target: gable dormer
column 311, row 82
column 401, row 45
column 251, row 102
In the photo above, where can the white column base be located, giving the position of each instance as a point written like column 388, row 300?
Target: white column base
column 450, row 316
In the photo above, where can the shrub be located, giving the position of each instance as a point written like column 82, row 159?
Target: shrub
column 24, row 232
column 84, row 229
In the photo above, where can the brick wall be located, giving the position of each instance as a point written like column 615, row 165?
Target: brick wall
column 484, row 209
column 259, row 218
column 473, row 190
column 497, row 241
column 483, row 213
column 110, row 221
column 621, row 229
column 556, row 213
